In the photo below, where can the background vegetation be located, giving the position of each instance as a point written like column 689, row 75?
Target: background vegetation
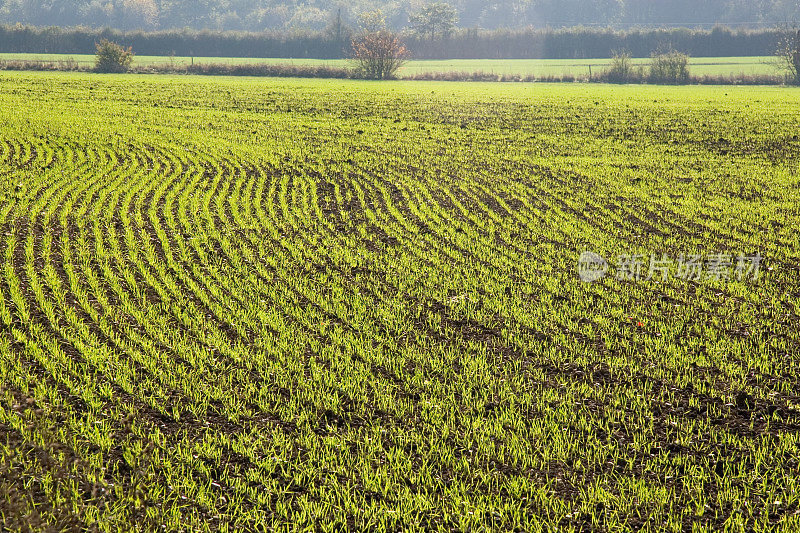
column 112, row 58
column 317, row 15
column 459, row 44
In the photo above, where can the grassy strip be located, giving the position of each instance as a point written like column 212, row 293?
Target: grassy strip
column 208, row 69
column 707, row 79
column 330, row 72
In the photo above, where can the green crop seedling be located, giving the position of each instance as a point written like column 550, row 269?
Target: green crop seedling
column 239, row 304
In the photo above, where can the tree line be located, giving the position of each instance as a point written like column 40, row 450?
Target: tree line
column 316, row 15
column 457, row 44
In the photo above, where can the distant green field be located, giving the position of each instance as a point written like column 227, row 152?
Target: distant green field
column 713, row 66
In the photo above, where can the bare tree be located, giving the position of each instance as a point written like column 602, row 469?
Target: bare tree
column 378, row 52
column 789, row 55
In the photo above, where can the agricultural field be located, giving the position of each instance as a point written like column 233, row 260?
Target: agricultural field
column 242, row 304
column 700, row 66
